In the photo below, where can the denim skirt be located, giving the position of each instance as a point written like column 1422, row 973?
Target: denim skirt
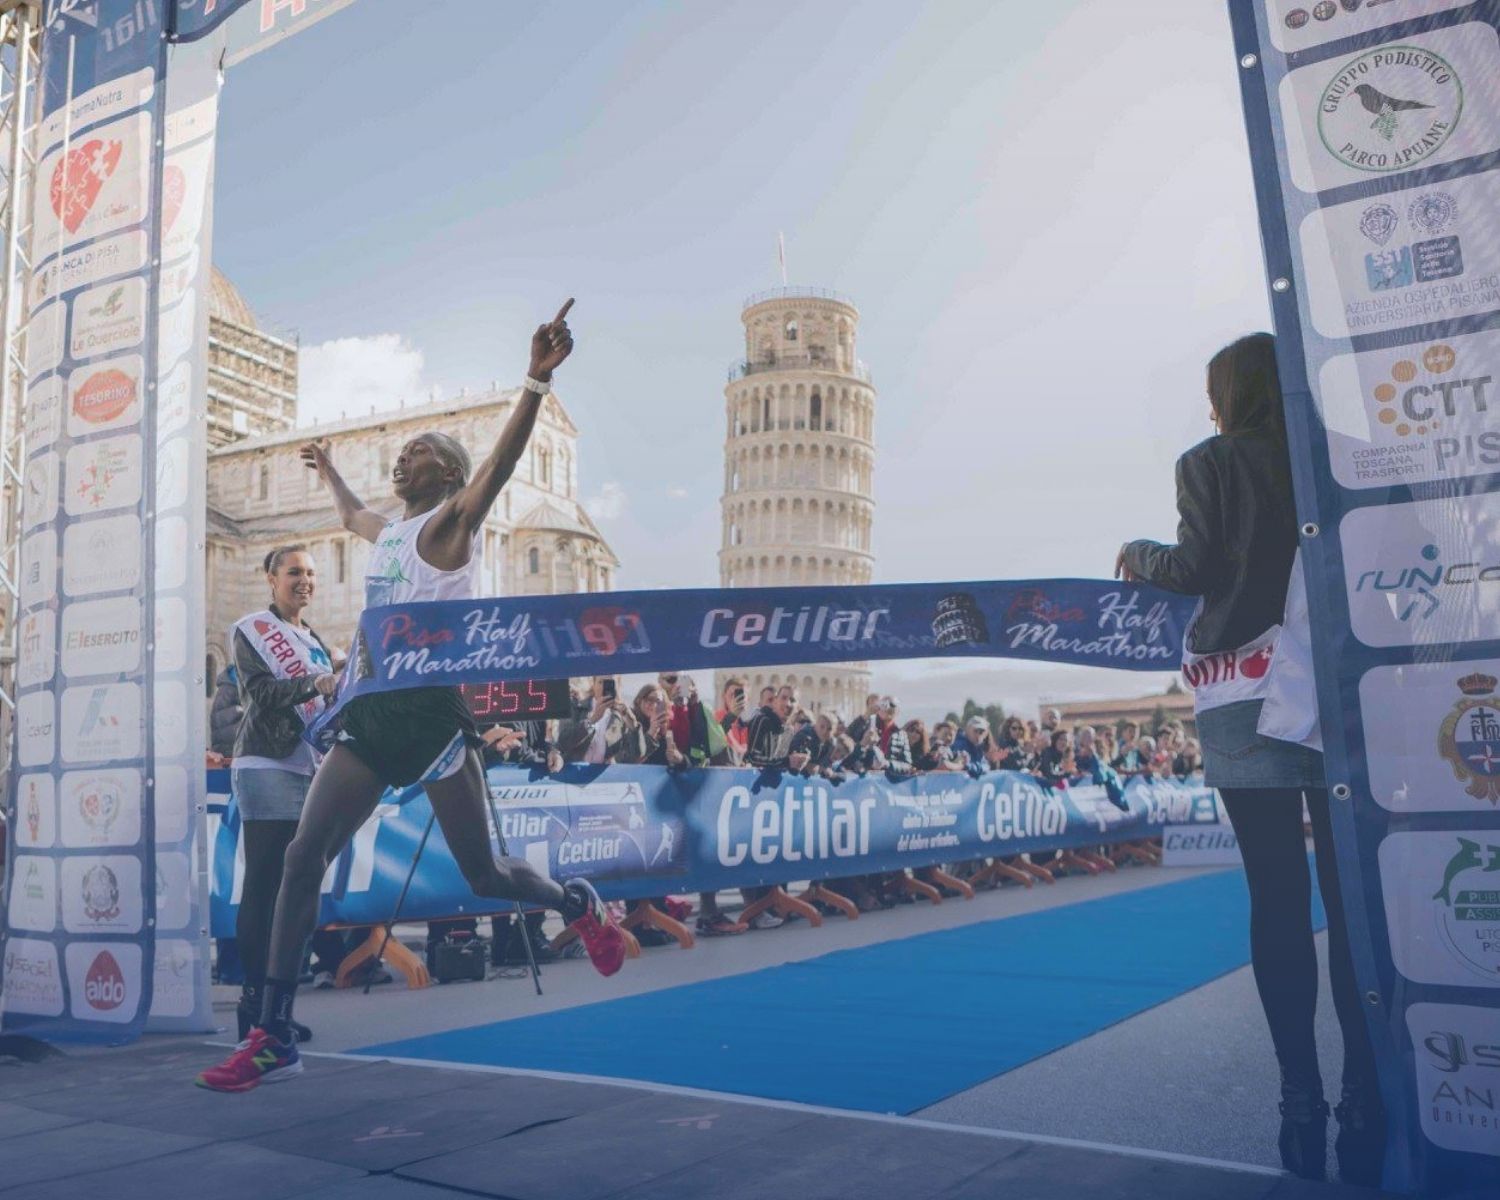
column 266, row 794
column 1235, row 755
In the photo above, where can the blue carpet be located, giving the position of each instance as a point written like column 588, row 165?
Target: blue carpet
column 896, row 1026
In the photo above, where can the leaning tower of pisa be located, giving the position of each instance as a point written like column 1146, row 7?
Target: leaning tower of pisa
column 799, row 461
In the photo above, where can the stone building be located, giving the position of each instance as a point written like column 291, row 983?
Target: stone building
column 799, row 463
column 537, row 540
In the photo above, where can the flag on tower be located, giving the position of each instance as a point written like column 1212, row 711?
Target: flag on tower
column 781, row 255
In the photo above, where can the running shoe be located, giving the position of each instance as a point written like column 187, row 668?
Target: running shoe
column 597, row 930
column 260, row 1058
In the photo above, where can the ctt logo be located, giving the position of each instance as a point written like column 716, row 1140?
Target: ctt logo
column 1448, row 1052
column 104, row 985
column 1419, row 588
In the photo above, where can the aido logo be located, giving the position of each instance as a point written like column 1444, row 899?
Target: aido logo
column 104, row 985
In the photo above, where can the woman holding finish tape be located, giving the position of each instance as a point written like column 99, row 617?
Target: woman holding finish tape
column 1235, row 545
column 285, row 675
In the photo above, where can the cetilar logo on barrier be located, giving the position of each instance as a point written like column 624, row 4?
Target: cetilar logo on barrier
column 1469, row 738
column 1419, row 587
column 792, row 824
column 1469, row 915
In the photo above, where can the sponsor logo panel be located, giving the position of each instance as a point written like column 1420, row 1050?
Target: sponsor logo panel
column 179, row 324
column 97, row 184
column 44, row 409
column 102, row 895
column 104, row 980
column 39, row 568
column 102, row 556
column 1423, row 573
column 170, row 718
column 1413, row 414
column 1386, row 109
column 1299, row 24
column 1456, row 1049
column 33, row 980
column 33, row 894
column 1408, row 258
column 105, row 396
column 104, row 259
column 36, row 648
column 171, row 646
column 184, row 191
column 36, row 812
column 174, row 890
column 101, row 723
column 1442, row 904
column 175, row 400
column 108, row 318
column 173, row 473
column 174, row 978
column 102, row 103
column 102, row 637
column 39, row 484
column 103, row 475
column 101, row 808
column 173, row 550
column 172, row 804
column 44, row 340
column 36, row 729
column 1434, row 734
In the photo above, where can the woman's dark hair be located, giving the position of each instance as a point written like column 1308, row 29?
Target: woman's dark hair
column 272, row 562
column 1060, row 733
column 1244, row 389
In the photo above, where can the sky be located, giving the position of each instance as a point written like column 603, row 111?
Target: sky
column 1044, row 212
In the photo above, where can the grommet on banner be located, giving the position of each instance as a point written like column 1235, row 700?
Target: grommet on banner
column 1248, row 61
column 1372, row 999
column 1341, row 791
column 1280, row 283
column 1311, row 529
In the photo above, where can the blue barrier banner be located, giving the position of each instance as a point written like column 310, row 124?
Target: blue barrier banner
column 645, row 831
column 1092, row 622
column 1374, row 135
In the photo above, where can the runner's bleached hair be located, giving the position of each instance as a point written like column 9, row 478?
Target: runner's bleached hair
column 451, row 454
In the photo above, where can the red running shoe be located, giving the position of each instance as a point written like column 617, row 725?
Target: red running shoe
column 260, row 1058
column 596, row 928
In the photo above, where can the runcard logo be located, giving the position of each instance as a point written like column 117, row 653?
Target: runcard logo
column 1420, row 587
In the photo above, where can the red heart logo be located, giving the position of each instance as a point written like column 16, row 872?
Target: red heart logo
column 1253, row 666
column 173, row 189
column 77, row 179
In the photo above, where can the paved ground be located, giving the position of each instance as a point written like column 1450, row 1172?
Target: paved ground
column 125, row 1125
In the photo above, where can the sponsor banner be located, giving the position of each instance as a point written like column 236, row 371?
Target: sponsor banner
column 1456, row 1048
column 105, row 396
column 103, row 475
column 1429, row 253
column 1438, row 726
column 101, row 807
column 1423, row 573
column 643, row 831
column 36, row 646
column 1374, row 130
column 31, row 982
column 102, row 637
column 36, row 729
column 1200, row 846
column 36, row 812
column 32, row 904
column 1442, row 902
column 102, row 555
column 124, row 254
column 102, row 895
column 44, row 340
column 1303, row 24
column 1418, row 413
column 98, row 183
column 1130, row 626
column 44, row 414
column 39, row 488
column 39, row 567
column 261, row 24
column 104, row 980
column 101, row 723
column 1395, row 107
column 108, row 318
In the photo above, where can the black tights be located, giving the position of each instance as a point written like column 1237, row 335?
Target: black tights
column 1268, row 824
column 265, row 845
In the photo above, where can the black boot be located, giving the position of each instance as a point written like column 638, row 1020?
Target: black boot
column 1304, row 1130
column 1360, row 1144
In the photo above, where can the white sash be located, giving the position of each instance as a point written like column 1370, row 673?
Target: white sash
column 1229, row 676
column 288, row 653
column 1290, row 713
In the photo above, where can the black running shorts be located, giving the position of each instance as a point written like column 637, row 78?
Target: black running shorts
column 414, row 735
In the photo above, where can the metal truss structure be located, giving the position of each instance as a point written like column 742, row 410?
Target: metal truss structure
column 20, row 54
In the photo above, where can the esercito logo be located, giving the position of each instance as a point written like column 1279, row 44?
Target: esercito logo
column 104, row 985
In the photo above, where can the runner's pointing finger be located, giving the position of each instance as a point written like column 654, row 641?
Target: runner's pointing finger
column 562, row 313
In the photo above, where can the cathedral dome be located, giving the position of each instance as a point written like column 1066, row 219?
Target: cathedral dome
column 225, row 302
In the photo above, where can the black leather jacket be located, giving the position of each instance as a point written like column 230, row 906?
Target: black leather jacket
column 1235, row 539
column 270, row 727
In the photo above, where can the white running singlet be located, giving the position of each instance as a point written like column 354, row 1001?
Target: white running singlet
column 399, row 575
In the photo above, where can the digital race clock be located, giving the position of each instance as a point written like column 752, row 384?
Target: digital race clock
column 518, row 700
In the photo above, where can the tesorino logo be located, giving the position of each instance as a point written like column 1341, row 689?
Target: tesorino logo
column 1390, row 108
column 103, row 397
column 104, row 985
column 1419, row 588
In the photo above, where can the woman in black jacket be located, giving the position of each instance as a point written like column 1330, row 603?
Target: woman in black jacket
column 285, row 675
column 1235, row 542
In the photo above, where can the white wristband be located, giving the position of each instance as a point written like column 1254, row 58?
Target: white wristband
column 536, row 385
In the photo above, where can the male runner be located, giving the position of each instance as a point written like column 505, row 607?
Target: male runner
column 415, row 735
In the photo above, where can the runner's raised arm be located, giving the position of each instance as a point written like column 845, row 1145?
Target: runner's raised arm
column 352, row 511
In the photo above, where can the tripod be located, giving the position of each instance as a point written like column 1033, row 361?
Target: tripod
column 411, row 871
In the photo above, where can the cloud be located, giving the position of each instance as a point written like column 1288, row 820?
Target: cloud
column 608, row 503
column 677, row 493
column 347, row 377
